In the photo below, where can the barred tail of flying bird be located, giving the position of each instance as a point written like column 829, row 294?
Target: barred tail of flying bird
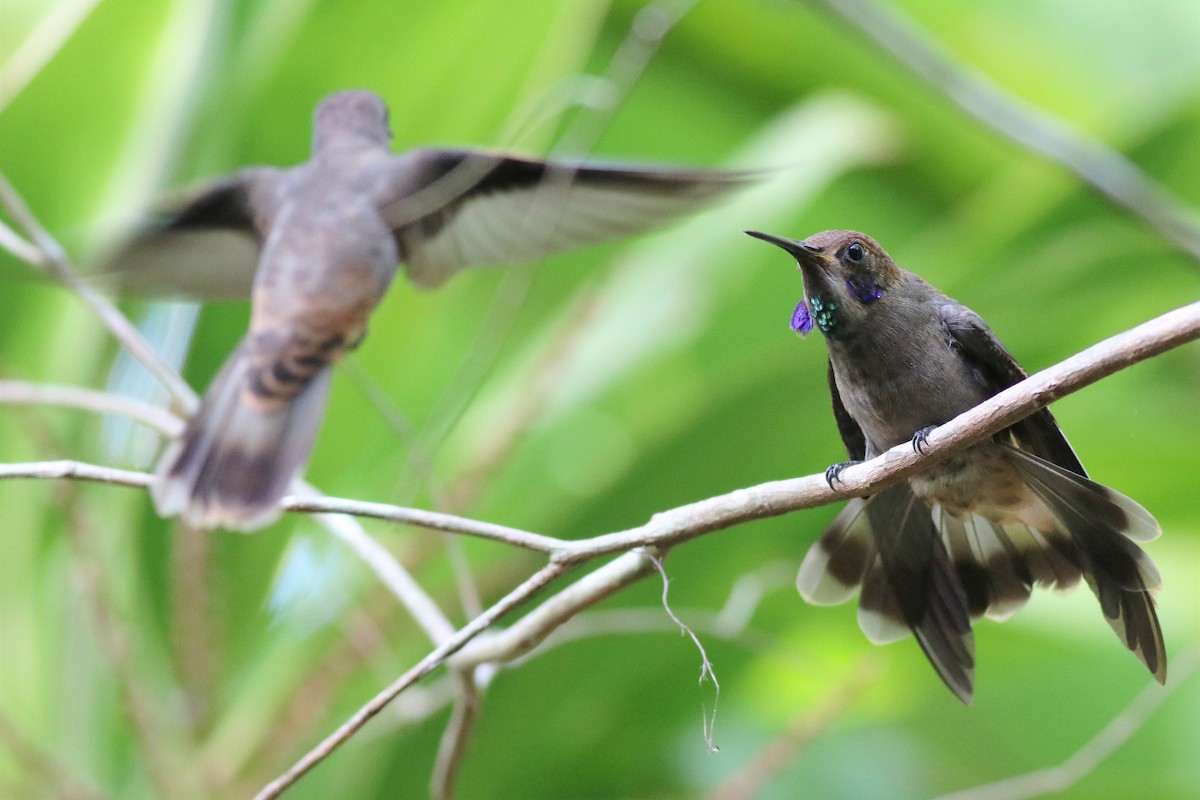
column 240, row 450
column 926, row 571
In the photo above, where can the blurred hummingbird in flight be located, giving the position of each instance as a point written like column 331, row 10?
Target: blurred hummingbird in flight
column 316, row 246
column 974, row 533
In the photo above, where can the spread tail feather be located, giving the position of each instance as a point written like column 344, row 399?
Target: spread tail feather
column 236, row 456
column 998, row 564
column 929, row 572
column 888, row 546
column 1104, row 524
column 924, row 586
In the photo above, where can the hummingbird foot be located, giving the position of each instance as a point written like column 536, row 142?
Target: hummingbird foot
column 834, row 472
column 921, row 438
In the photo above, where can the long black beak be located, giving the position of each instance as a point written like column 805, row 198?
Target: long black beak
column 802, row 252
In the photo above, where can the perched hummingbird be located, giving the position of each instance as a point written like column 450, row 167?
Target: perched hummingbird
column 316, row 247
column 975, row 532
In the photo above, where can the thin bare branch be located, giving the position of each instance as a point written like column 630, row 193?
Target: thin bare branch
column 433, row 520
column 456, row 739
column 395, row 577
column 528, row 632
column 58, row 266
column 77, row 470
column 387, row 568
column 44, row 394
column 1104, row 169
column 11, row 241
column 430, row 662
column 1085, row 760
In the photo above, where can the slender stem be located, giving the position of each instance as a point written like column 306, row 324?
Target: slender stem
column 433, row 520
column 44, row 394
column 456, row 739
column 1055, row 780
column 58, row 265
column 437, row 656
column 1101, row 167
column 528, row 632
column 76, row 470
column 395, row 577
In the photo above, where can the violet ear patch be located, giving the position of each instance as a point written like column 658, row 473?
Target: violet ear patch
column 864, row 290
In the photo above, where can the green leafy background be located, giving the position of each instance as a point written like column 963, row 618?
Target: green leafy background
column 680, row 380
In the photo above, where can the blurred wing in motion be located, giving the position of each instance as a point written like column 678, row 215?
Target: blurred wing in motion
column 202, row 246
column 450, row 210
column 455, row 209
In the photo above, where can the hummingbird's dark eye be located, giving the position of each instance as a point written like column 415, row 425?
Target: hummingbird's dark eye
column 855, row 252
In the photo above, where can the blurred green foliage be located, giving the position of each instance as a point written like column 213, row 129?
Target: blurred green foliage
column 684, row 382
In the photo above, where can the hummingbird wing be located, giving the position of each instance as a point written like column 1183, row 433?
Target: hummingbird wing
column 454, row 209
column 852, row 435
column 449, row 210
column 202, row 245
column 1039, row 432
column 1096, row 523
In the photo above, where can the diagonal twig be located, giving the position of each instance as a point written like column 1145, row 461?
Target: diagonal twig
column 1104, row 169
column 456, row 739
column 1083, row 761
column 437, row 656
column 55, row 262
